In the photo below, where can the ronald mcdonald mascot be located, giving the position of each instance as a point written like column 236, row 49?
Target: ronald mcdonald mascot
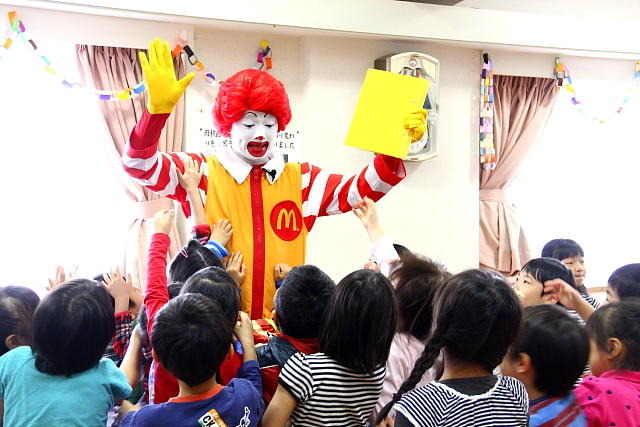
column 271, row 204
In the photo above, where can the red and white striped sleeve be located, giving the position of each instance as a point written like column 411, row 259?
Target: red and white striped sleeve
column 156, row 170
column 325, row 193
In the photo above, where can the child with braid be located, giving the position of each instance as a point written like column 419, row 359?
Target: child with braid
column 476, row 318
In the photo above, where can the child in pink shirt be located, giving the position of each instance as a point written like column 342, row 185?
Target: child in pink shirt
column 611, row 397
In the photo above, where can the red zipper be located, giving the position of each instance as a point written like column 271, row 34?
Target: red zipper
column 257, row 211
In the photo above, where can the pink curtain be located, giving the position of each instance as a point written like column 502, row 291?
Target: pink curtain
column 521, row 110
column 114, row 68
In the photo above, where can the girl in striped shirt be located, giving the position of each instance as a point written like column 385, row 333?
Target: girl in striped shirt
column 476, row 318
column 340, row 385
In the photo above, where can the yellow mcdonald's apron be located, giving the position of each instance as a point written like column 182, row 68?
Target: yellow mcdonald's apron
column 267, row 226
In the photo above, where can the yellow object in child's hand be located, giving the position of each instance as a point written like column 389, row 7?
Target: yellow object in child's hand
column 416, row 124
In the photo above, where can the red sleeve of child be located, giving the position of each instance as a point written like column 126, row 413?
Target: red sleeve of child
column 156, row 294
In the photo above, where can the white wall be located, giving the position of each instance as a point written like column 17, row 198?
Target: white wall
column 435, row 210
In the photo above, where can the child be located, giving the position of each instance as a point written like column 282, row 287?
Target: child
column 60, row 379
column 476, row 318
column 624, row 283
column 612, row 396
column 17, row 305
column 548, row 356
column 191, row 338
column 570, row 253
column 300, row 304
column 416, row 282
column 340, row 385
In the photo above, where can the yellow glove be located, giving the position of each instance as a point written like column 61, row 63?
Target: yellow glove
column 163, row 89
column 416, row 124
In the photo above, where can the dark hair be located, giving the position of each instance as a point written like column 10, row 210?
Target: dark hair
column 401, row 250
column 543, row 269
column 174, row 290
column 359, row 323
column 302, row 299
column 476, row 318
column 625, row 281
column 618, row 320
column 17, row 305
column 72, row 327
column 557, row 345
column 562, row 249
column 416, row 281
column 191, row 337
column 217, row 284
column 193, row 257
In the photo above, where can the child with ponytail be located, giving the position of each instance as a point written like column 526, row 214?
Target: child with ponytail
column 476, row 318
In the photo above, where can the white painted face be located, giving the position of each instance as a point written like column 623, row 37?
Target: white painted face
column 253, row 137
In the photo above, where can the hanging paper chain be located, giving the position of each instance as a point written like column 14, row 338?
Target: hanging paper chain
column 563, row 79
column 265, row 55
column 487, row 148
column 18, row 27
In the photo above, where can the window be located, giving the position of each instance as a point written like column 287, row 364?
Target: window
column 61, row 201
column 582, row 179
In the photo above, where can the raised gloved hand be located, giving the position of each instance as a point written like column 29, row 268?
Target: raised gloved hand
column 163, row 88
column 416, row 124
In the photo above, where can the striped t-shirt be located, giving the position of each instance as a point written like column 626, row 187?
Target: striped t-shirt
column 436, row 404
column 329, row 394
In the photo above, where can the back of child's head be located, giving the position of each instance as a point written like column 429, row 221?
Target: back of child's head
column 544, row 269
column 17, row 305
column 191, row 258
column 561, row 249
column 620, row 320
column 71, row 327
column 191, row 337
column 301, row 301
column 217, row 284
column 416, row 281
column 359, row 322
column 174, row 290
column 625, row 282
column 476, row 318
column 557, row 345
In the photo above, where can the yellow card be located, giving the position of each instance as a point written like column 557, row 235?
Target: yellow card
column 385, row 100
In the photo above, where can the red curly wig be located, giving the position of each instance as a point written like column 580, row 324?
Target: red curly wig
column 250, row 90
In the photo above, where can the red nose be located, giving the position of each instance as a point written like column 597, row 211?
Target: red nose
column 259, row 138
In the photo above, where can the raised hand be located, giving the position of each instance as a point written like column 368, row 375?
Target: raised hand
column 119, row 288
column 221, row 232
column 163, row 221
column 163, row 88
column 367, row 213
column 281, row 270
column 190, row 178
column 235, row 267
column 60, row 277
column 416, row 123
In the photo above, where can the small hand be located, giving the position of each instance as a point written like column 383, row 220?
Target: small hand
column 281, row 270
column 117, row 286
column 235, row 267
column 221, row 232
column 192, row 175
column 244, row 329
column 562, row 292
column 60, row 277
column 416, row 124
column 163, row 221
column 367, row 213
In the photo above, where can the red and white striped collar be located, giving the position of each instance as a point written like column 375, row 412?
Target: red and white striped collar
column 239, row 169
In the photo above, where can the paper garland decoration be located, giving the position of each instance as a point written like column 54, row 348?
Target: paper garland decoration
column 487, row 148
column 18, row 30
column 265, row 55
column 563, row 78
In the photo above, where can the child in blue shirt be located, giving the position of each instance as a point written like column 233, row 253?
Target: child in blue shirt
column 61, row 379
column 191, row 338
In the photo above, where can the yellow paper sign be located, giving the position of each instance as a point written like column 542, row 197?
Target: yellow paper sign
column 385, row 100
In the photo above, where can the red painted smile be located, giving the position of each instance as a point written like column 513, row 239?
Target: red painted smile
column 258, row 148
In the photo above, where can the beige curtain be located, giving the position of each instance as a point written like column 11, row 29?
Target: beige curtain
column 113, row 68
column 521, row 110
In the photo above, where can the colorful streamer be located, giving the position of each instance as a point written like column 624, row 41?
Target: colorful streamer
column 563, row 78
column 487, row 147
column 265, row 56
